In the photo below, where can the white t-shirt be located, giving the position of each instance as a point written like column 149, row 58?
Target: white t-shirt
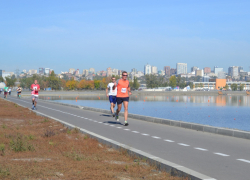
column 111, row 91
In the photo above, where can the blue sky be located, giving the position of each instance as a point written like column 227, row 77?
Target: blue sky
column 122, row 34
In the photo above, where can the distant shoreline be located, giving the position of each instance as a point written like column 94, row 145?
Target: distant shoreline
column 136, row 93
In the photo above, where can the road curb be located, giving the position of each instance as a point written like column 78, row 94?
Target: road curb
column 161, row 164
column 192, row 126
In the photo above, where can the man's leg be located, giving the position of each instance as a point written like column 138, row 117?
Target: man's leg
column 125, row 104
column 112, row 107
column 119, row 107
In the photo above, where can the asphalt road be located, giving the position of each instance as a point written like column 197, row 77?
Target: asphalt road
column 217, row 156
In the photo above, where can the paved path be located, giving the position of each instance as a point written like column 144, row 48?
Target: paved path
column 217, row 156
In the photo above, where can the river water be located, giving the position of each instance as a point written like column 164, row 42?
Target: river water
column 220, row 111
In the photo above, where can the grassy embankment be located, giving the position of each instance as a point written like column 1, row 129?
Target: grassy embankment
column 34, row 147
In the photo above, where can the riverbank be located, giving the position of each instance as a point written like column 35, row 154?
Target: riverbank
column 35, row 147
column 136, row 93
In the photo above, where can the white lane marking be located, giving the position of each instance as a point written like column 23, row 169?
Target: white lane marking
column 244, row 160
column 155, row 137
column 183, row 144
column 86, row 118
column 119, row 127
column 99, row 122
column 112, row 125
column 135, row 131
column 145, row 134
column 220, row 154
column 90, row 119
column 105, row 124
column 82, row 117
column 168, row 140
column 201, row 149
column 127, row 129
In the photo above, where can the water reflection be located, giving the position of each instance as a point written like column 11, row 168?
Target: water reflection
column 220, row 100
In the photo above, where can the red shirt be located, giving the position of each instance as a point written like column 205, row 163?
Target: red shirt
column 35, row 87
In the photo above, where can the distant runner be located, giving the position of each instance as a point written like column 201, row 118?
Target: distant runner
column 123, row 92
column 5, row 89
column 112, row 95
column 10, row 91
column 35, row 88
column 19, row 91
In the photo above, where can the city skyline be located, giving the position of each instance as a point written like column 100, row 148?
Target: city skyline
column 124, row 35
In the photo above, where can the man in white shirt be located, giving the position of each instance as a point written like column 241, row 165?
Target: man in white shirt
column 112, row 95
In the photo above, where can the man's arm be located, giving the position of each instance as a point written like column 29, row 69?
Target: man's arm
column 129, row 90
column 107, row 91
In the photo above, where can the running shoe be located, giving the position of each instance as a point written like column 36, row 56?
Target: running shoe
column 126, row 123
column 116, row 117
column 113, row 114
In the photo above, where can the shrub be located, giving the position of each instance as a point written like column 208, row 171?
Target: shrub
column 20, row 144
column 2, row 149
column 49, row 133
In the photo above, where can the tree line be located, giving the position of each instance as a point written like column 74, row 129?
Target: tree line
column 55, row 83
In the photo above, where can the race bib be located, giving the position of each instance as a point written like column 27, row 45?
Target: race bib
column 124, row 90
column 35, row 88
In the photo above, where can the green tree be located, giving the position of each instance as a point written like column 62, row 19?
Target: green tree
column 241, row 87
column 151, row 81
column 1, row 79
column 97, row 84
column 234, row 87
column 135, row 84
column 226, row 87
column 10, row 82
column 172, row 81
column 53, row 81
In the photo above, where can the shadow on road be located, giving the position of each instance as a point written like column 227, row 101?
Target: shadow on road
column 106, row 115
column 113, row 122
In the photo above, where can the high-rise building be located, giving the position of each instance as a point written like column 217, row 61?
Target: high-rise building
column 167, row 70
column 207, row 70
column 193, row 68
column 24, row 71
column 240, row 68
column 199, row 72
column 109, row 72
column 47, row 70
column 154, row 70
column 71, row 70
column 115, row 72
column 85, row 72
column 41, row 70
column 181, row 68
column 147, row 69
column 172, row 71
column 221, row 75
column 92, row 70
column 32, row 71
column 77, row 72
column 134, row 71
column 217, row 70
column 233, row 71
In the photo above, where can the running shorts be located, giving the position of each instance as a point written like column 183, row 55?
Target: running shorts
column 112, row 99
column 35, row 97
column 121, row 99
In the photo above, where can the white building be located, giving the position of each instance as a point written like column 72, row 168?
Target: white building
column 92, row 70
column 71, row 70
column 147, row 69
column 181, row 68
column 115, row 72
column 85, row 72
column 154, row 70
column 32, row 71
column 233, row 71
column 217, row 70
column 46, row 71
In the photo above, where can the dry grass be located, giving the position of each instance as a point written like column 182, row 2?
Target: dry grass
column 34, row 147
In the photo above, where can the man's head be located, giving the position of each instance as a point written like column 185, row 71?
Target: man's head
column 35, row 81
column 124, row 75
column 113, row 79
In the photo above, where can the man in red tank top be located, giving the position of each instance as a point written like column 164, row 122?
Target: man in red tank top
column 123, row 92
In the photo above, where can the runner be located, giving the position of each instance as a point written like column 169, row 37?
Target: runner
column 5, row 89
column 123, row 92
column 10, row 91
column 112, row 95
column 34, row 88
column 19, row 91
